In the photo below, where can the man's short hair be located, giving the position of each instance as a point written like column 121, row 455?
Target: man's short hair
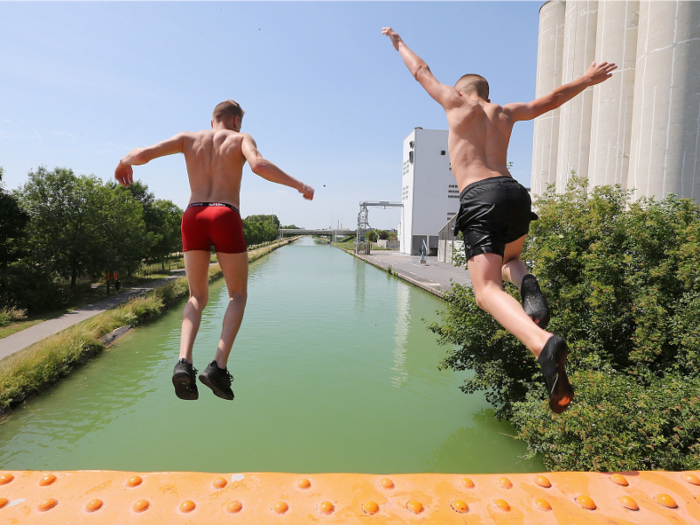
column 227, row 107
column 476, row 82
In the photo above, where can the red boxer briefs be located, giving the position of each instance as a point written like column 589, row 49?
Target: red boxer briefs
column 213, row 223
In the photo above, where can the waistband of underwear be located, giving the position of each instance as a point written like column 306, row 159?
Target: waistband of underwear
column 488, row 181
column 207, row 204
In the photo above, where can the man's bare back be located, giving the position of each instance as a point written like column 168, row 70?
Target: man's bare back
column 478, row 139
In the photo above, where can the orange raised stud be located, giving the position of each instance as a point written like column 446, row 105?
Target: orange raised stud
column 303, row 483
column 94, row 505
column 619, row 479
column 370, row 507
column 134, row 481
column 234, row 507
column 140, row 505
column 467, row 483
column 586, row 502
column 686, row 476
column 47, row 504
column 459, row 506
column 6, row 478
column 415, row 506
column 542, row 481
column 326, row 507
column 280, row 507
column 219, row 483
column 542, row 504
column 386, row 483
column 666, row 501
column 628, row 503
column 505, row 483
column 47, row 480
column 187, row 506
column 501, row 504
column 3, row 502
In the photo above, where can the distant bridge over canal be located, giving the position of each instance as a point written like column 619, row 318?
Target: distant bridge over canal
column 333, row 234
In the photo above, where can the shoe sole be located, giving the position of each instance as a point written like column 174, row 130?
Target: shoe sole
column 185, row 387
column 539, row 310
column 215, row 388
column 562, row 389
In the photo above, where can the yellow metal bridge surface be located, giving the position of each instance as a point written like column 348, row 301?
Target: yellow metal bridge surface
column 165, row 498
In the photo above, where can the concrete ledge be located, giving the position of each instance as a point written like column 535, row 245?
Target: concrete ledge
column 109, row 497
column 115, row 334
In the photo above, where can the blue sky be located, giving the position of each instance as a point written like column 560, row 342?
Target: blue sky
column 326, row 96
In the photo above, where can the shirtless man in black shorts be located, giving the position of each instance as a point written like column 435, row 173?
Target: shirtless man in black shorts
column 495, row 213
column 214, row 159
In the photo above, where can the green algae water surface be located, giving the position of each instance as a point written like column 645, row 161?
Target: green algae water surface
column 334, row 371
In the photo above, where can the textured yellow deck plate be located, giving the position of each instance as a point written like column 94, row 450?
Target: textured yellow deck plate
column 165, row 498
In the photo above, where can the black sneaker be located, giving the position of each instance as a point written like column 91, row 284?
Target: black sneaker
column 218, row 379
column 552, row 359
column 184, row 380
column 534, row 303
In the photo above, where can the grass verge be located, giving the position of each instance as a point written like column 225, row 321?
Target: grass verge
column 38, row 366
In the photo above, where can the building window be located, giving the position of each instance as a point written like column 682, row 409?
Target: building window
column 442, row 152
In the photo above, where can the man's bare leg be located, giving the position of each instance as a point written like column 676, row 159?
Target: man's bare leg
column 197, row 271
column 235, row 269
column 485, row 273
column 515, row 271
column 216, row 376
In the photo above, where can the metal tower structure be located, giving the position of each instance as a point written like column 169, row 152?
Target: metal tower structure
column 361, row 244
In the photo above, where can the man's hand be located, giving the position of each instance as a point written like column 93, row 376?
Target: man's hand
column 597, row 73
column 124, row 174
column 395, row 38
column 307, row 191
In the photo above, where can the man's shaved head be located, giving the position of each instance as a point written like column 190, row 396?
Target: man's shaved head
column 476, row 83
column 227, row 108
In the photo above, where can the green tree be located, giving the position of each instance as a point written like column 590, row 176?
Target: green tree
column 622, row 282
column 13, row 220
column 260, row 228
column 80, row 227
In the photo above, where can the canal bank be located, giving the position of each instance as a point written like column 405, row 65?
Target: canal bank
column 432, row 276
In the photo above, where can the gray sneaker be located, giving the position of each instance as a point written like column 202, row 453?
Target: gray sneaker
column 218, row 379
column 184, row 380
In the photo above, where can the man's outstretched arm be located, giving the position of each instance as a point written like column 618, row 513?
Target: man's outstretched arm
column 267, row 170
column 443, row 95
column 595, row 74
column 124, row 173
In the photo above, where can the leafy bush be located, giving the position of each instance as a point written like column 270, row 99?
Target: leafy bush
column 622, row 282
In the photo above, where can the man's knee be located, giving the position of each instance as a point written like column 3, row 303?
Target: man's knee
column 239, row 296
column 199, row 300
column 480, row 298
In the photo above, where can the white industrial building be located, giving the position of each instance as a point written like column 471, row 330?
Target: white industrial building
column 639, row 129
column 429, row 192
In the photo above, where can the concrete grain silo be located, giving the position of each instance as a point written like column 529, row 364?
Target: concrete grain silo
column 613, row 100
column 666, row 115
column 575, row 118
column 549, row 67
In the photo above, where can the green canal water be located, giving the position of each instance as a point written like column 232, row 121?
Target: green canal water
column 334, row 371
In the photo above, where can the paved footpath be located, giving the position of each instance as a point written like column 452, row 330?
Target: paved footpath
column 434, row 276
column 21, row 340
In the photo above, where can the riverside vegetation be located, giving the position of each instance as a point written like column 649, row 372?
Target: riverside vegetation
column 623, row 285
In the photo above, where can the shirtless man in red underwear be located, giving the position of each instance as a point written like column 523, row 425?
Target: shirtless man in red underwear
column 495, row 214
column 214, row 159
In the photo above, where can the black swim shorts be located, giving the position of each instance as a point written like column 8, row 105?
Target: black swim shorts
column 492, row 213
